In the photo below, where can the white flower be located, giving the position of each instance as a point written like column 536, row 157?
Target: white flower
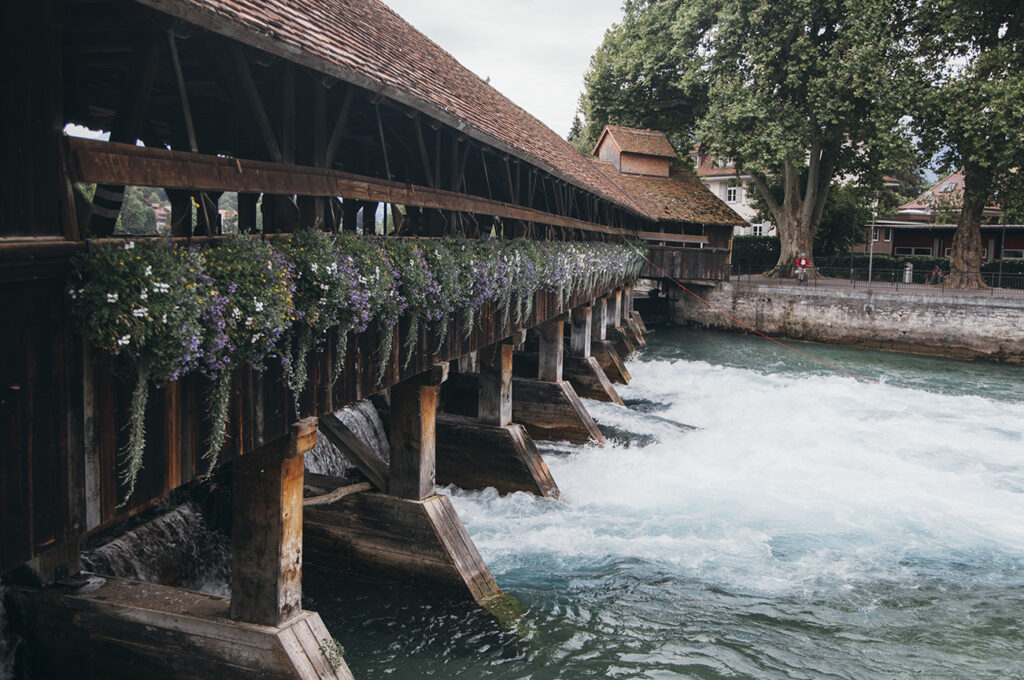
column 256, row 337
column 111, row 297
column 149, row 270
column 236, row 312
column 143, row 295
column 128, row 245
column 139, row 312
column 161, row 287
column 312, row 265
column 258, row 305
column 332, row 267
column 124, row 340
column 163, row 318
column 324, row 286
column 248, row 321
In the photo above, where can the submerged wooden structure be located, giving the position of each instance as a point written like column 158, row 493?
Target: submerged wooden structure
column 316, row 113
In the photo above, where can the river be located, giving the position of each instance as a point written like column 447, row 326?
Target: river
column 811, row 526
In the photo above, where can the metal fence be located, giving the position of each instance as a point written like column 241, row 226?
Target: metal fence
column 881, row 279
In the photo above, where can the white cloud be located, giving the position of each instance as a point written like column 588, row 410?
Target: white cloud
column 534, row 51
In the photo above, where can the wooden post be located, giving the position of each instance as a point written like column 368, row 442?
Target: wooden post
column 495, row 406
column 266, row 539
column 627, row 302
column 551, row 332
column 615, row 309
column 582, row 329
column 599, row 326
column 413, row 409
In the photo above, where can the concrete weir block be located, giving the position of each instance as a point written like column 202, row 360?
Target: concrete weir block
column 473, row 455
column 92, row 626
column 401, row 539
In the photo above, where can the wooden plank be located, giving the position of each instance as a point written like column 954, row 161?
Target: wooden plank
column 611, row 362
column 589, row 380
column 599, row 323
column 413, row 408
column 355, row 451
column 473, row 455
column 266, row 537
column 551, row 346
column 107, row 162
column 552, row 411
column 582, row 329
column 671, row 238
column 495, row 404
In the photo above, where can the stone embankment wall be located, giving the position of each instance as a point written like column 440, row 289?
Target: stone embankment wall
column 953, row 325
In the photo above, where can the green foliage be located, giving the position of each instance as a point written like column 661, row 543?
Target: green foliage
column 163, row 312
column 843, row 222
column 142, row 303
column 1009, row 266
column 971, row 113
column 803, row 91
column 755, row 251
column 137, row 217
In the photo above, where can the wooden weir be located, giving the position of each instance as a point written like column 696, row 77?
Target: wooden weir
column 312, row 131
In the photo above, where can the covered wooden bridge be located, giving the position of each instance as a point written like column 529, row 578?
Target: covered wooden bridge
column 316, row 114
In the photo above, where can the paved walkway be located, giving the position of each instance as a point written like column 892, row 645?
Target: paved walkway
column 884, row 287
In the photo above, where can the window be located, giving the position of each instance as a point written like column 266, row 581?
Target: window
column 948, row 252
column 947, row 187
column 888, row 234
column 758, row 230
column 732, row 194
column 1019, row 253
column 984, row 253
column 905, row 250
column 874, row 233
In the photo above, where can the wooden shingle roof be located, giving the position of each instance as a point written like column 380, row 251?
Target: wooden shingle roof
column 637, row 140
column 366, row 43
column 680, row 197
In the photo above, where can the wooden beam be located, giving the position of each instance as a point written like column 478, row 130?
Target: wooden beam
column 355, row 450
column 671, row 238
column 266, row 536
column 495, row 405
column 247, row 96
column 339, row 127
column 106, row 162
column 580, row 334
column 599, row 323
column 551, row 333
column 413, row 410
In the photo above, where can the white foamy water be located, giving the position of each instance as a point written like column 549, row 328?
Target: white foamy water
column 790, row 481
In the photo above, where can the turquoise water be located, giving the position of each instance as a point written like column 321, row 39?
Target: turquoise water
column 805, row 525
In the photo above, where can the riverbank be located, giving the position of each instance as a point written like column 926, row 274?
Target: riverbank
column 953, row 324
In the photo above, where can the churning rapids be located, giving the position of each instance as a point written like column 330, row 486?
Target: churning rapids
column 754, row 515
column 813, row 527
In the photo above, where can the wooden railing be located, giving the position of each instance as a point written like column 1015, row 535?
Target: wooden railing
column 687, row 264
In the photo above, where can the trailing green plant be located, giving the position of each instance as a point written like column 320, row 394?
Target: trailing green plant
column 253, row 286
column 162, row 312
column 379, row 279
column 141, row 302
column 327, row 296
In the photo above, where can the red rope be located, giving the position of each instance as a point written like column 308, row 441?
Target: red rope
column 754, row 330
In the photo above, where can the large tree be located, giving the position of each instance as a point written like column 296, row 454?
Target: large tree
column 972, row 111
column 806, row 91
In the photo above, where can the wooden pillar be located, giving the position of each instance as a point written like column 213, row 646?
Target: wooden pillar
column 614, row 309
column 627, row 302
column 181, row 212
column 413, row 410
column 266, row 538
column 599, row 325
column 582, row 329
column 495, row 406
column 349, row 210
column 551, row 333
column 468, row 363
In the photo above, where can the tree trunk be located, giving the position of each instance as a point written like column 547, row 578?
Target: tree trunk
column 965, row 257
column 795, row 237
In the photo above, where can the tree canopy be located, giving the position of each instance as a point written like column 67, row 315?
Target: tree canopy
column 971, row 112
column 806, row 91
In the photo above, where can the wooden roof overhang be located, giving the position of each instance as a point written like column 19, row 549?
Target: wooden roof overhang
column 239, row 81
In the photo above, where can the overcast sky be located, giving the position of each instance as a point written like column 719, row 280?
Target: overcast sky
column 534, row 51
